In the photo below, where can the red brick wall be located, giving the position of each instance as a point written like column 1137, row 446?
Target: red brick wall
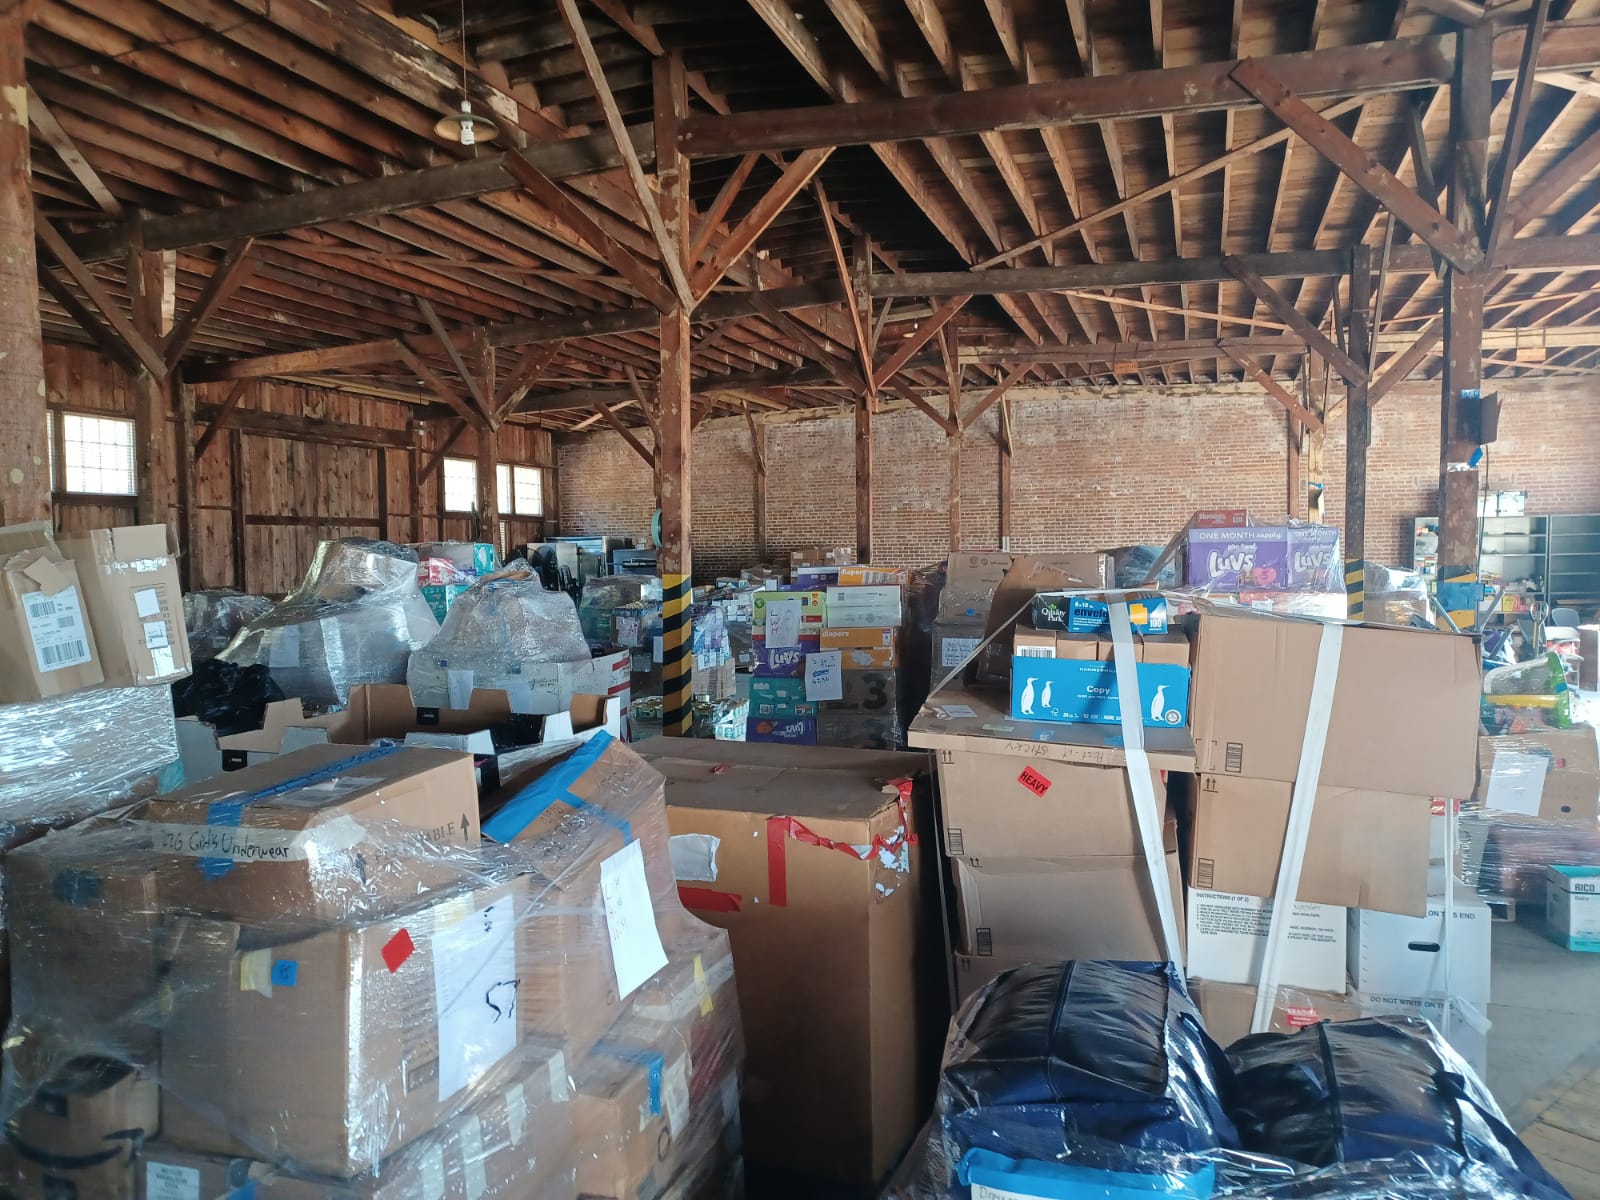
column 1088, row 472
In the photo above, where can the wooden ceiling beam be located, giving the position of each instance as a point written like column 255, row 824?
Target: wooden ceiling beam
column 706, row 229
column 467, row 376
column 994, row 395
column 1407, row 361
column 407, row 354
column 1279, row 305
column 625, row 433
column 1253, row 368
column 532, row 363
column 1404, row 64
column 99, row 332
column 1426, row 221
column 841, row 266
column 742, row 237
column 924, row 333
column 147, row 355
column 232, row 269
column 1511, row 143
column 57, row 138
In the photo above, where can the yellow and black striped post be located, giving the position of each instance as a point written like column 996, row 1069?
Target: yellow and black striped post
column 677, row 656
column 1355, row 588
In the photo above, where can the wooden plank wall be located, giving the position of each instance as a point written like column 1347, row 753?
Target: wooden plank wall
column 279, row 496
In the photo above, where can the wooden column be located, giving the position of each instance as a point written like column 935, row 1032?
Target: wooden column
column 187, row 531
column 953, row 445
column 24, row 419
column 414, row 479
column 866, row 404
column 758, row 454
column 152, row 297
column 1316, row 394
column 1470, row 105
column 241, row 572
column 1358, row 438
column 1293, row 492
column 674, row 414
column 488, row 486
column 1005, row 472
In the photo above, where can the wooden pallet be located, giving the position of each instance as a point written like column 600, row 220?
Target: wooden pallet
column 1501, row 908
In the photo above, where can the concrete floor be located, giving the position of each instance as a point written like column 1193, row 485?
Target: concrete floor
column 1545, row 1014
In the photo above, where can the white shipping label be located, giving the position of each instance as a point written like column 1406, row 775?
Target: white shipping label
column 167, row 1181
column 516, row 1114
column 472, row 1158
column 475, row 990
column 953, row 651
column 982, row 1191
column 825, row 676
column 694, row 857
column 560, row 1082
column 432, row 1171
column 783, row 623
column 1516, row 782
column 147, row 602
column 155, row 635
column 459, row 684
column 162, row 662
column 55, row 623
column 283, row 646
column 675, row 1095
column 636, row 952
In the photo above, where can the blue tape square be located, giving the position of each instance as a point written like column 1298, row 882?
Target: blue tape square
column 228, row 813
column 285, row 972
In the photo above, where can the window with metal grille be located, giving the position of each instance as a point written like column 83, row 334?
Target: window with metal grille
column 521, row 490
column 460, row 485
column 97, row 455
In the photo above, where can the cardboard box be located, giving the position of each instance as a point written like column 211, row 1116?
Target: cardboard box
column 1464, row 1026
column 337, row 1049
column 815, row 577
column 47, row 645
column 953, row 643
column 317, row 835
column 860, row 731
column 1365, row 849
column 1229, row 1008
column 1056, row 909
column 1228, row 560
column 867, row 607
column 864, row 648
column 1228, row 938
column 828, row 555
column 835, row 1080
column 515, row 1141
column 872, row 693
column 770, row 697
column 973, row 972
column 783, row 662
column 1550, row 773
column 130, row 585
column 865, row 576
column 1392, row 955
column 1314, row 562
column 80, row 1134
column 1405, row 707
column 813, row 608
column 970, row 583
column 1572, row 912
column 535, row 688
column 789, row 731
column 1071, row 692
column 1025, row 578
column 1083, row 614
column 997, row 806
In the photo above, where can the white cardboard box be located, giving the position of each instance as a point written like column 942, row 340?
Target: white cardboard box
column 863, row 607
column 1392, row 955
column 1572, row 906
column 1228, row 939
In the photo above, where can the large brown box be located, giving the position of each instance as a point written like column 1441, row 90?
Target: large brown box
column 80, row 1133
column 1552, row 773
column 1365, row 849
column 324, row 833
column 130, row 583
column 335, row 1050
column 804, row 855
column 1405, row 706
column 1001, row 806
column 47, row 645
column 1228, row 1008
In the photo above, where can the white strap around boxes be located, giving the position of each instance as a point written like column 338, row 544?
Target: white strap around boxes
column 1146, row 811
column 1300, row 808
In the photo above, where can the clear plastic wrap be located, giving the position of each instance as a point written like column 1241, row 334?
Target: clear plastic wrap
column 320, row 978
column 1527, row 695
column 607, row 592
column 355, row 619
column 215, row 616
column 496, row 630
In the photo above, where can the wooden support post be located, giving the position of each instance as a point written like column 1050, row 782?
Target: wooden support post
column 1358, row 437
column 1470, row 105
column 1293, row 493
column 186, row 483
column 152, row 293
column 864, row 407
column 414, row 480
column 241, row 573
column 758, row 452
column 489, row 487
column 953, row 442
column 675, row 556
column 24, row 417
column 1005, row 474
column 1316, row 394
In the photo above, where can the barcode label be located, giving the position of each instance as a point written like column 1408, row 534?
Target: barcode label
column 1233, row 762
column 1205, row 873
column 985, row 939
column 956, row 842
column 55, row 624
column 1036, row 652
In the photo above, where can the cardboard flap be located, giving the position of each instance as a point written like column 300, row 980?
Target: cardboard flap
column 50, row 578
column 34, row 535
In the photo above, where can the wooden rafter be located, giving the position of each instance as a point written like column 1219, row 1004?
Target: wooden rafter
column 234, row 268
column 905, row 392
column 468, row 377
column 1277, row 304
column 994, row 395
column 1253, row 368
column 529, row 366
column 99, row 332
column 754, row 223
column 407, row 354
column 842, row 266
column 148, row 356
column 1511, row 147
column 1407, row 361
column 642, row 190
column 57, row 138
column 712, row 217
column 625, row 433
column 1426, row 221
column 918, row 339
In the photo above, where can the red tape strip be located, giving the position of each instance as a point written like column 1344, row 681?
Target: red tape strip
column 780, row 829
column 397, row 949
column 709, row 899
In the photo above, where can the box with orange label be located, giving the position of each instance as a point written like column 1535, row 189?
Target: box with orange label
column 864, row 649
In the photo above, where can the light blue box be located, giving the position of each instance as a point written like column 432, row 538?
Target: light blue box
column 1073, row 692
column 1080, row 614
column 778, row 697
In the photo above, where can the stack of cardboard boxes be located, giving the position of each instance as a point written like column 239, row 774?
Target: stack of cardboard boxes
column 445, row 570
column 315, row 976
column 1036, row 803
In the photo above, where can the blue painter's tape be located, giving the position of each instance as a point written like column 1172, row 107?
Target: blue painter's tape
column 285, row 972
column 651, row 1060
column 531, row 803
column 1063, row 1181
column 230, row 812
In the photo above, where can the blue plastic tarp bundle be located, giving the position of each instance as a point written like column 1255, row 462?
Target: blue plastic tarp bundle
column 1380, row 1088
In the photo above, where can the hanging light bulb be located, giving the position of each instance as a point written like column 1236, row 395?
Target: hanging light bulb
column 465, row 126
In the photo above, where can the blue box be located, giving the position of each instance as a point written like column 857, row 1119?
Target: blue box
column 776, row 697
column 783, row 662
column 1072, row 692
column 441, row 596
column 788, row 732
column 1079, row 614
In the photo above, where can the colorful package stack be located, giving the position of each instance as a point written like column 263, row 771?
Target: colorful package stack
column 445, row 570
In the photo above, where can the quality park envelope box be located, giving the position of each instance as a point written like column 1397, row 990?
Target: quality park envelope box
column 805, row 857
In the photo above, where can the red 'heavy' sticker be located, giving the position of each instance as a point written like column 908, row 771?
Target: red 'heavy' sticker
column 397, row 949
column 1033, row 781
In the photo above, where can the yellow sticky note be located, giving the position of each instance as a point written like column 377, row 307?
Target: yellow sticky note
column 706, row 1007
column 255, row 971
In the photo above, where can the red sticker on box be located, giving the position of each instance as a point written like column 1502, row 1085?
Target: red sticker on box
column 1033, row 781
column 397, row 949
column 1302, row 1015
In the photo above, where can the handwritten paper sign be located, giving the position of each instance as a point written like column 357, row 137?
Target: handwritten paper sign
column 825, row 676
column 783, row 623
